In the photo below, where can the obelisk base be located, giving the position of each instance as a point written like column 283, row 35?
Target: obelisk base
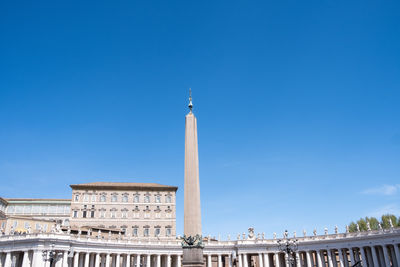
column 192, row 257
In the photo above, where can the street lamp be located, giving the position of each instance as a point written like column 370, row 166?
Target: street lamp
column 52, row 255
column 289, row 246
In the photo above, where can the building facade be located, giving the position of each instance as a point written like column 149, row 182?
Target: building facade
column 367, row 249
column 136, row 209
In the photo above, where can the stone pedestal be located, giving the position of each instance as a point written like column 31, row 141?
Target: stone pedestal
column 192, row 257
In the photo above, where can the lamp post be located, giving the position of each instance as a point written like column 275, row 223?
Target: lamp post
column 289, row 246
column 52, row 255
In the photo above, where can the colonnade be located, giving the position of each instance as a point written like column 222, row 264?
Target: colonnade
column 383, row 255
column 89, row 259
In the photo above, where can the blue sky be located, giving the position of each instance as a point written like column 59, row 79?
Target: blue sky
column 297, row 104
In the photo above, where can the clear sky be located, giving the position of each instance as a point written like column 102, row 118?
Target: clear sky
column 297, row 104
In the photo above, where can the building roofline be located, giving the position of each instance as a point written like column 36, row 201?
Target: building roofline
column 37, row 200
column 126, row 186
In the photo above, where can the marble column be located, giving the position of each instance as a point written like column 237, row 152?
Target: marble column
column 374, row 256
column 245, row 260
column 209, row 263
column 308, row 257
column 266, row 260
column 65, row 259
column 240, row 259
column 158, row 260
column 341, row 257
column 148, row 260
column 87, row 255
column 230, row 260
column 329, row 256
column 386, row 255
column 97, row 260
column 277, row 260
column 168, row 260
column 319, row 259
column 178, row 260
column 297, row 258
column 25, row 259
column 363, row 257
column 219, row 260
column 108, row 258
column 351, row 253
column 260, row 260
column 397, row 252
column 138, row 260
column 76, row 259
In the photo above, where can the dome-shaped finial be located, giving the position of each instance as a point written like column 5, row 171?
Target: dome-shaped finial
column 190, row 100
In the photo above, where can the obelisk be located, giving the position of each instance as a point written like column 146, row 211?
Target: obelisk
column 192, row 241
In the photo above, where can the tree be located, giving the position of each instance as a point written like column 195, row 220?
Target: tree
column 374, row 223
column 386, row 221
column 352, row 227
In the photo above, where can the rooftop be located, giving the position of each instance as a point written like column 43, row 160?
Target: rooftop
column 127, row 186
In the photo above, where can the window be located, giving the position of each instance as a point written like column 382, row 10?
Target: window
column 103, row 198
column 15, row 224
column 114, row 198
column 113, row 213
column 125, row 198
column 168, row 199
column 93, row 198
column 168, row 231
column 157, row 231
column 86, row 197
column 146, row 232
column 26, row 225
column 158, row 215
column 158, row 199
column 124, row 213
column 84, row 213
column 37, row 226
column 135, row 231
column 147, row 199
column 92, row 214
column 76, row 197
column 102, row 213
column 136, row 198
column 75, row 214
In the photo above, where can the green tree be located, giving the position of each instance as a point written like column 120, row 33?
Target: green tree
column 363, row 224
column 352, row 227
column 373, row 222
column 386, row 221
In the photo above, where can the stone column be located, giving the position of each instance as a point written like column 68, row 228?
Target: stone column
column 65, row 259
column 219, row 260
column 297, row 259
column 25, row 259
column 148, row 260
column 97, row 260
column 363, row 257
column 118, row 260
column 329, row 256
column 245, row 262
column 374, row 256
column 158, row 260
column 107, row 260
column 266, row 260
column 397, row 252
column 319, row 259
column 341, row 257
column 240, row 259
column 260, row 259
column 178, row 259
column 308, row 257
column 87, row 255
column 385, row 254
column 168, row 260
column 351, row 253
column 277, row 261
column 76, row 259
column 138, row 260
column 230, row 260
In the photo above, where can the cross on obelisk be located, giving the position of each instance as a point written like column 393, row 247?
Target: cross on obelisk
column 192, row 240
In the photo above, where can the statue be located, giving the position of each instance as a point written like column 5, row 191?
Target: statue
column 40, row 229
column 12, row 231
column 326, row 231
column 285, row 234
column 315, row 232
column 244, row 236
column 263, row 235
column 109, row 234
column 336, row 229
column 380, row 226
column 390, row 223
column 29, row 229
column 358, row 227
column 258, row 236
column 368, row 226
column 304, row 233
column 99, row 233
column 69, row 230
column 238, row 237
column 274, row 235
column 347, row 229
column 251, row 233
column 294, row 234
